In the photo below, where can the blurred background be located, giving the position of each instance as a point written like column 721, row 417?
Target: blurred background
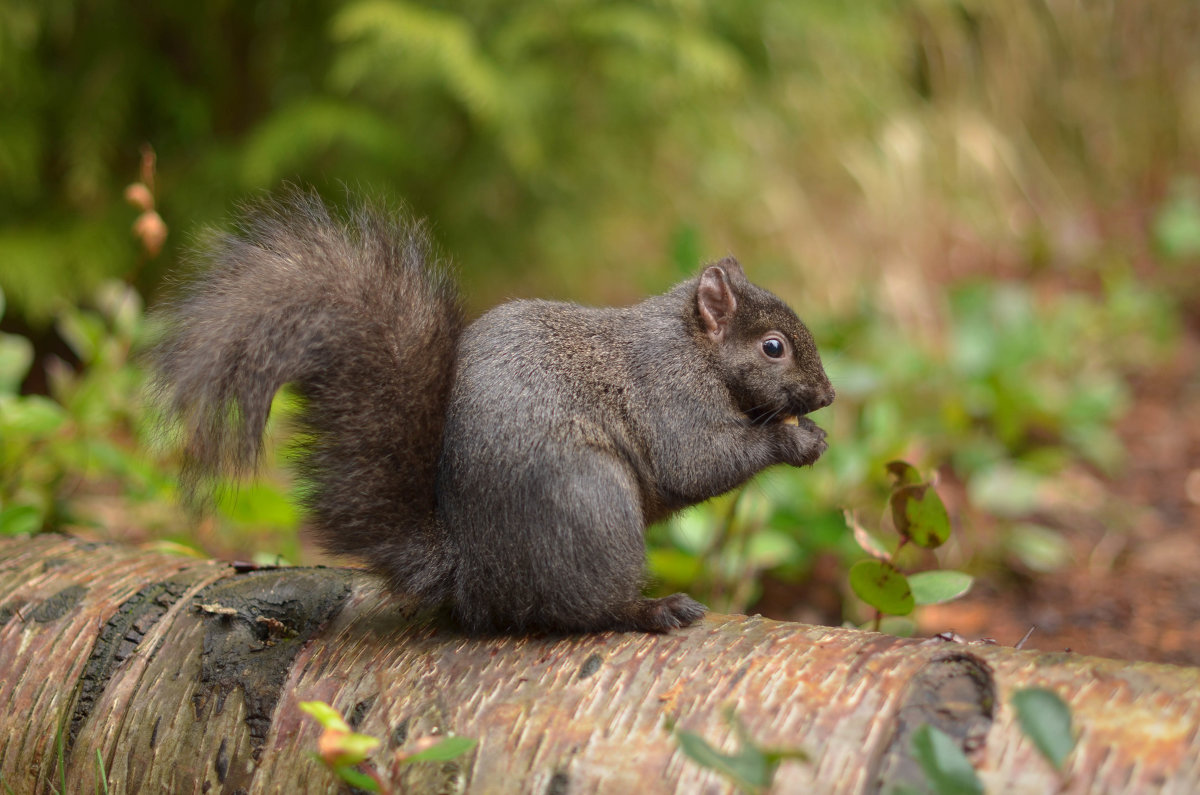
column 988, row 213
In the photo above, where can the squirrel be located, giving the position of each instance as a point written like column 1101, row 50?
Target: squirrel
column 504, row 469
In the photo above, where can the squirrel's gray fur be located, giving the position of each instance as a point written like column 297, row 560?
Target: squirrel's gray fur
column 506, row 469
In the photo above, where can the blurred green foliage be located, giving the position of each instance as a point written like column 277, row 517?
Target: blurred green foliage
column 544, row 139
column 988, row 214
column 87, row 456
column 85, row 427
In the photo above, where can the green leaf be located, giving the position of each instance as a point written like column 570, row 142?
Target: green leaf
column 20, row 520
column 776, row 755
column 351, row 748
column 903, row 473
column 32, row 414
column 16, row 355
column 919, row 515
column 447, row 749
column 882, row 586
column 935, row 587
column 327, row 716
column 945, row 766
column 1046, row 720
column 1177, row 223
column 357, row 779
column 1005, row 490
column 83, row 331
column 1041, row 548
column 748, row 768
column 101, row 776
column 122, row 305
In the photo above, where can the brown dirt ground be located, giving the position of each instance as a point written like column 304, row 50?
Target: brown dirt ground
column 1133, row 588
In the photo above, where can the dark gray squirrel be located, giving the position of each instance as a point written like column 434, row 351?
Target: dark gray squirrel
column 504, row 469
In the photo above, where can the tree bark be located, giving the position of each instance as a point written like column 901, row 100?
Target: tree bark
column 184, row 676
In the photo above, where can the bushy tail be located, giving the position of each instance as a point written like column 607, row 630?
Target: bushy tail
column 360, row 316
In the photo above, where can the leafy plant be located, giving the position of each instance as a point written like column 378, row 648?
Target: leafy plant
column 920, row 519
column 947, row 769
column 1042, row 716
column 752, row 768
column 1046, row 720
column 87, row 457
column 343, row 750
column 88, row 425
column 346, row 752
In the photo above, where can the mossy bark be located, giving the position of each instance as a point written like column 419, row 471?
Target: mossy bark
column 185, row 676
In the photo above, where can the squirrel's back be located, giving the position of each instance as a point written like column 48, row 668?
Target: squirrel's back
column 360, row 316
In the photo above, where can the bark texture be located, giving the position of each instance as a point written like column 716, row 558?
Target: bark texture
column 185, row 675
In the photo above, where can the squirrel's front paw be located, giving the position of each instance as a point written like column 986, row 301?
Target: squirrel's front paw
column 804, row 442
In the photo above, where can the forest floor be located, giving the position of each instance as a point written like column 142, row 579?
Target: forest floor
column 1131, row 586
column 1132, row 590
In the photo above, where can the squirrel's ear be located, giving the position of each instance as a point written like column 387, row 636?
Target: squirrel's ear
column 733, row 269
column 715, row 299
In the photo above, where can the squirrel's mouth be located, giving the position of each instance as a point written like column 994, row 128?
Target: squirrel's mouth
column 777, row 417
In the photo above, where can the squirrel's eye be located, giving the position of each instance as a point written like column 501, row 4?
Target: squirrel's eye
column 773, row 347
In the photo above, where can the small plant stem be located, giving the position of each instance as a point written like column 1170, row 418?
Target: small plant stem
column 712, row 555
column 374, row 773
column 101, row 776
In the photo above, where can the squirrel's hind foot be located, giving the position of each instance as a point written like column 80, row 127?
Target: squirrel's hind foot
column 670, row 612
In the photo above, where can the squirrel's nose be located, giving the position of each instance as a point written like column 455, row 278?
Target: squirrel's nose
column 815, row 399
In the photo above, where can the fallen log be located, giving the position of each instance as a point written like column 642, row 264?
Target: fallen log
column 183, row 675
